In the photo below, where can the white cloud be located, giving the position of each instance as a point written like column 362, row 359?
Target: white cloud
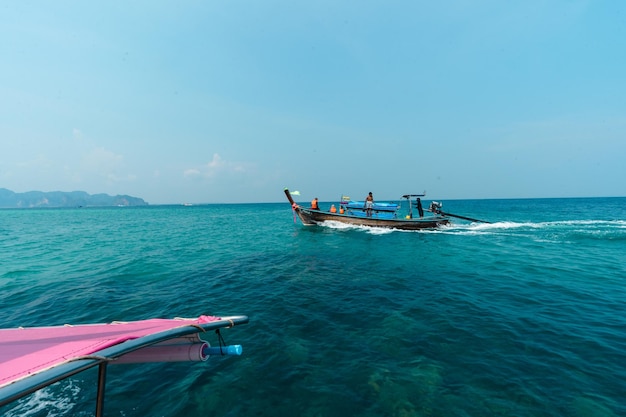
column 105, row 164
column 192, row 173
column 39, row 162
column 77, row 134
column 216, row 166
column 102, row 161
column 216, row 163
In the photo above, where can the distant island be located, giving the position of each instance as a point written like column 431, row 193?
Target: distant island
column 34, row 199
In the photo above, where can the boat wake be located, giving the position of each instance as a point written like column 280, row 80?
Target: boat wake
column 551, row 230
column 613, row 227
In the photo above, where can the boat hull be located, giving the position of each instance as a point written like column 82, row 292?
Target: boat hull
column 315, row 217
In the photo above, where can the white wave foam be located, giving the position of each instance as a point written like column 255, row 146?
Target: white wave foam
column 480, row 228
column 345, row 226
column 539, row 225
column 331, row 224
column 50, row 401
column 500, row 225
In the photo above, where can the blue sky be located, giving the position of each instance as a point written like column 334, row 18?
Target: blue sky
column 231, row 101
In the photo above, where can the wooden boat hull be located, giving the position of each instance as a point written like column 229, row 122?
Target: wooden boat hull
column 313, row 217
column 310, row 217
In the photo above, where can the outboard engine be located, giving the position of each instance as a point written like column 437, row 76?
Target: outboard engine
column 435, row 207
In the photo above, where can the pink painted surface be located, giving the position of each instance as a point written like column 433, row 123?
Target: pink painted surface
column 26, row 351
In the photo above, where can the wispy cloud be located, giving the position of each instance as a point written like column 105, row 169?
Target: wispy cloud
column 216, row 166
column 106, row 164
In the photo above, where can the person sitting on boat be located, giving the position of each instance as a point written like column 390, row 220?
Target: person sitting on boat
column 341, row 210
column 333, row 209
column 369, row 203
column 314, row 205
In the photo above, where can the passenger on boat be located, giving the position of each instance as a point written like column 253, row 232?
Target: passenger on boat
column 341, row 210
column 314, row 205
column 369, row 203
column 333, row 209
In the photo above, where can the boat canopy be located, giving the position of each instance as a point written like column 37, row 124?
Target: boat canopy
column 360, row 205
column 33, row 358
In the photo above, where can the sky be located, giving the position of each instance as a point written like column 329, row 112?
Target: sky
column 219, row 101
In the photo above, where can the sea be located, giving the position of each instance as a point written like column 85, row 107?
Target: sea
column 521, row 316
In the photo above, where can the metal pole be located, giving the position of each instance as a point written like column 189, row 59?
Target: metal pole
column 102, row 376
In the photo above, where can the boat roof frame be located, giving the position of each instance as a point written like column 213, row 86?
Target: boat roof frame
column 409, row 196
column 22, row 387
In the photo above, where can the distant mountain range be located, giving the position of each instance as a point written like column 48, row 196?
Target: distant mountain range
column 32, row 199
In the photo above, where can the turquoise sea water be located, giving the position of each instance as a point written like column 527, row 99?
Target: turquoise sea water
column 523, row 317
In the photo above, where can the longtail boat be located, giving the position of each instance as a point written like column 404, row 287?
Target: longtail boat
column 34, row 357
column 384, row 215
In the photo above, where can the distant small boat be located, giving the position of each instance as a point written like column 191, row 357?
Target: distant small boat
column 384, row 215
